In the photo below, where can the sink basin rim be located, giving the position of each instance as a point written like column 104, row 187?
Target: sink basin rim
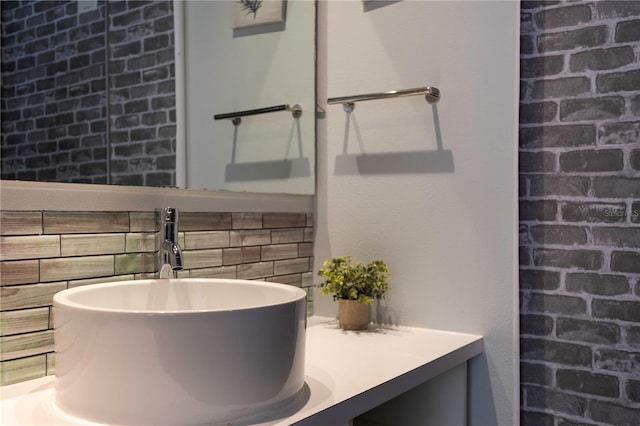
column 65, row 297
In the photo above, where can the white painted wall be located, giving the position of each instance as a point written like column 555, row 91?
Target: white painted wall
column 447, row 233
column 231, row 70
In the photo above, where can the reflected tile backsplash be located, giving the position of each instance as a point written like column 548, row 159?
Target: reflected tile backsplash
column 42, row 253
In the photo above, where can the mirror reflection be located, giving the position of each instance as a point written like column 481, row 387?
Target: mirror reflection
column 241, row 61
column 90, row 93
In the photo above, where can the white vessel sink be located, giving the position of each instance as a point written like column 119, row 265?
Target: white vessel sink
column 178, row 352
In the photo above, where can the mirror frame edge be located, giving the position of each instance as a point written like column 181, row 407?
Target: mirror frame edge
column 55, row 196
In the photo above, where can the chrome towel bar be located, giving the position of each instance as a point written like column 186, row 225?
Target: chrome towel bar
column 432, row 95
column 295, row 110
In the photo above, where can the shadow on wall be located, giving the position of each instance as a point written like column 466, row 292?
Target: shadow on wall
column 369, row 5
column 266, row 170
column 286, row 168
column 406, row 162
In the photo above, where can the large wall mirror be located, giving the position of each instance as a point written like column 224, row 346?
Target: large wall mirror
column 125, row 93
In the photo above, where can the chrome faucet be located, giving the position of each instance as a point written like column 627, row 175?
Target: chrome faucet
column 170, row 251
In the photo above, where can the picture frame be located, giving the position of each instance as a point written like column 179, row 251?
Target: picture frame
column 252, row 13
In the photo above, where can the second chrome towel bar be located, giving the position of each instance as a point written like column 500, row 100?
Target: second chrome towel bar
column 432, row 95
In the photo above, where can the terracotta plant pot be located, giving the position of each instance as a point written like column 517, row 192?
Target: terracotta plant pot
column 354, row 315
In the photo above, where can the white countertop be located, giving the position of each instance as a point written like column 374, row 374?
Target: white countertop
column 346, row 374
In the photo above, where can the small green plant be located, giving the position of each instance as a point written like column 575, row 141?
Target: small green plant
column 363, row 283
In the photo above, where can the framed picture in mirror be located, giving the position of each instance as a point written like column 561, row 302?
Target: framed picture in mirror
column 251, row 13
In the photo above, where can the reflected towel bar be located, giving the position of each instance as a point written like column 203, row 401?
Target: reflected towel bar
column 432, row 95
column 296, row 111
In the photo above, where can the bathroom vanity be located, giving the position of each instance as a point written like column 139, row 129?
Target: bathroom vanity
column 346, row 374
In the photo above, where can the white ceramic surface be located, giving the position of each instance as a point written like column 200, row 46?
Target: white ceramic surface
column 185, row 351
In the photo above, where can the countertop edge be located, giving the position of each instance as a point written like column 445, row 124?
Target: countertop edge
column 384, row 392
column 356, row 401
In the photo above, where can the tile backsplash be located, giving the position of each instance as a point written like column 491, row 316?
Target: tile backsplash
column 43, row 252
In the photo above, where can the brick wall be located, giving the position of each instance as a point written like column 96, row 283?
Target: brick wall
column 42, row 253
column 60, row 112
column 53, row 92
column 142, row 91
column 580, row 213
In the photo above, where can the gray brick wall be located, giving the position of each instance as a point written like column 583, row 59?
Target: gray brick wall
column 53, row 92
column 56, row 95
column 580, row 212
column 142, row 111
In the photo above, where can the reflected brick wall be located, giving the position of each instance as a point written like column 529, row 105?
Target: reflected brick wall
column 61, row 114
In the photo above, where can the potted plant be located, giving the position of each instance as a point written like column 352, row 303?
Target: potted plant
column 355, row 287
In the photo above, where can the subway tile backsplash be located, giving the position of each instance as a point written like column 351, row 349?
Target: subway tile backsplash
column 46, row 252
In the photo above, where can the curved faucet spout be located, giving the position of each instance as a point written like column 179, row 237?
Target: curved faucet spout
column 170, row 251
column 174, row 253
